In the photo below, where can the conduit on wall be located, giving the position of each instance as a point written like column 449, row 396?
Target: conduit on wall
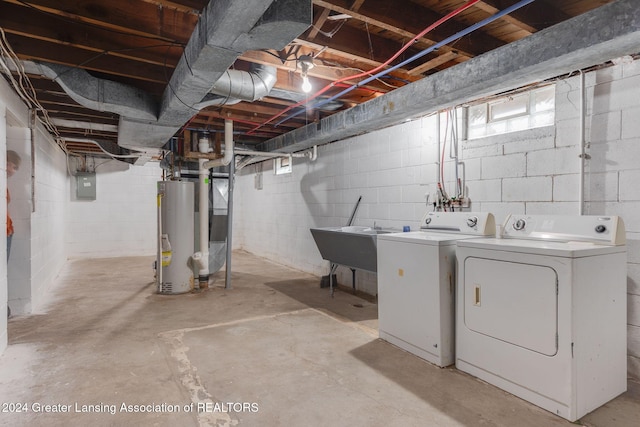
column 581, row 142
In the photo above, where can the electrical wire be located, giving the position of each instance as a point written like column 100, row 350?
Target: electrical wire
column 359, row 70
column 23, row 86
column 112, row 51
column 115, row 156
column 419, row 55
column 286, row 59
column 444, row 144
column 379, row 67
column 333, row 32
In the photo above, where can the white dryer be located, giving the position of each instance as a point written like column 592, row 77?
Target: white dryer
column 541, row 312
column 416, row 283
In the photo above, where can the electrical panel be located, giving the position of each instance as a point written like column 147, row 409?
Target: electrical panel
column 86, row 185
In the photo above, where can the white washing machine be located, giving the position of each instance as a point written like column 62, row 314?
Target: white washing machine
column 416, row 283
column 542, row 311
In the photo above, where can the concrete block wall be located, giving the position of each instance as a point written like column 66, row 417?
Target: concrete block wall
column 388, row 170
column 19, row 264
column 48, row 252
column 37, row 250
column 37, row 253
column 121, row 221
column 534, row 171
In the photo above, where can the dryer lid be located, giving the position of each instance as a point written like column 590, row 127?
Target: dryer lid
column 572, row 249
column 597, row 229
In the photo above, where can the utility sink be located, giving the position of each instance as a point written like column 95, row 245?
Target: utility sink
column 351, row 246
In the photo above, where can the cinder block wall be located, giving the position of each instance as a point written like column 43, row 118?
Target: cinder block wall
column 48, row 252
column 37, row 252
column 121, row 221
column 534, row 171
column 37, row 211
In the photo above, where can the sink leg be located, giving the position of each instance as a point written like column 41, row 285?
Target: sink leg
column 353, row 280
column 332, row 269
column 331, row 284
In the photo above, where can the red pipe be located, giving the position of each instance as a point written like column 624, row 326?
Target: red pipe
column 378, row 68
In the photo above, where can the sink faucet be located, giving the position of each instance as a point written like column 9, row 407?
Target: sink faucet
column 375, row 227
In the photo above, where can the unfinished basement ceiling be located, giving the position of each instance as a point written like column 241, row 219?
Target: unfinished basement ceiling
column 139, row 43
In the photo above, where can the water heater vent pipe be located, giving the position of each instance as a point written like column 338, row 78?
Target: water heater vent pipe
column 202, row 257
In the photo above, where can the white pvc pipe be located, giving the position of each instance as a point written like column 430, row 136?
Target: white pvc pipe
column 203, row 179
column 259, row 156
column 228, row 148
column 269, row 154
column 582, row 146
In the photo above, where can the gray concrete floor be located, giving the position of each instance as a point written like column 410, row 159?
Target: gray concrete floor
column 276, row 350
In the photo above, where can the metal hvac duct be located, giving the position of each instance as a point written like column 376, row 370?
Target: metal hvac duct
column 219, row 221
column 217, row 215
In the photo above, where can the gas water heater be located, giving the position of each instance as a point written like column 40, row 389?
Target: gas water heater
column 175, row 236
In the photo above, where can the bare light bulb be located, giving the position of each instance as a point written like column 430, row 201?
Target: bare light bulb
column 306, row 84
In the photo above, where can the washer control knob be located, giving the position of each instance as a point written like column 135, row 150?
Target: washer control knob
column 472, row 221
column 601, row 228
column 519, row 224
column 428, row 220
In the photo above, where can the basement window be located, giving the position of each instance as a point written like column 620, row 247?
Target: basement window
column 282, row 165
column 528, row 110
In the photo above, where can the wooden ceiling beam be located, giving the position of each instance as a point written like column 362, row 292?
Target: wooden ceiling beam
column 408, row 19
column 133, row 17
column 356, row 43
column 533, row 18
column 26, row 22
column 319, row 22
column 356, row 5
column 85, row 133
column 435, row 62
column 255, row 111
column 289, row 78
column 67, row 115
column 40, row 50
column 228, row 113
column 185, row 6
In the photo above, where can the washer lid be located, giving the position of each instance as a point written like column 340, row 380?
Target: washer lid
column 542, row 247
column 425, row 237
column 476, row 223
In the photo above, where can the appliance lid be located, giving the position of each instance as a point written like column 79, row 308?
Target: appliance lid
column 597, row 229
column 572, row 249
column 473, row 223
column 425, row 238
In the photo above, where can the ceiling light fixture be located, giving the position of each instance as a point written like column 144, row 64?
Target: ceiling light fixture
column 306, row 63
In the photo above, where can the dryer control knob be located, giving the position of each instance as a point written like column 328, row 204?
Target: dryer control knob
column 472, row 221
column 519, row 224
column 601, row 229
